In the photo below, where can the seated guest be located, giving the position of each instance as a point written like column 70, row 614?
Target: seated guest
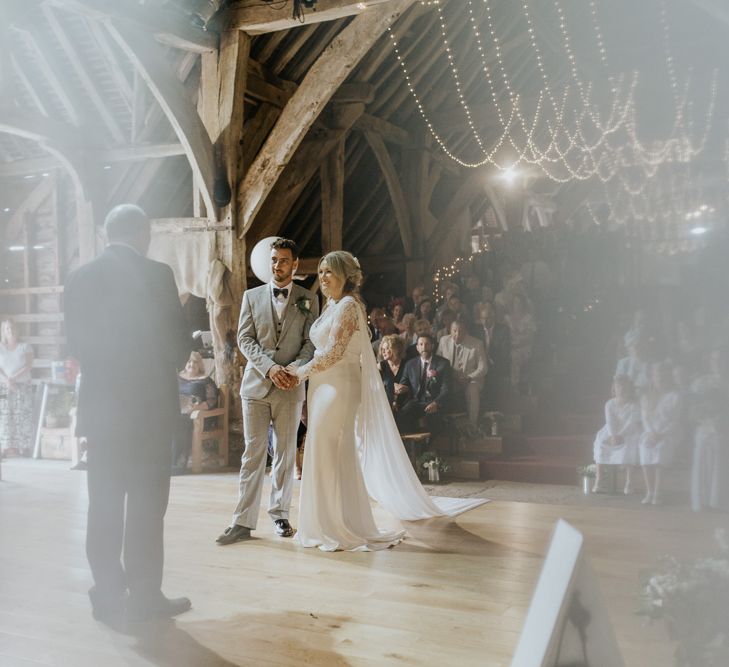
column 635, row 365
column 446, row 318
column 421, row 327
column 197, row 391
column 496, row 337
column 392, row 369
column 426, row 310
column 427, row 379
column 397, row 311
column 523, row 332
column 457, row 307
column 413, row 301
column 376, row 316
column 16, row 392
column 710, row 469
column 468, row 367
column 616, row 443
column 471, row 292
column 386, row 327
column 449, row 289
column 407, row 328
column 660, row 412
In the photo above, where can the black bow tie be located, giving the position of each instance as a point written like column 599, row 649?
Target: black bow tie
column 284, row 291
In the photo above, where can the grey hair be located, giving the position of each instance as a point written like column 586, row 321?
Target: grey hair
column 346, row 266
column 124, row 222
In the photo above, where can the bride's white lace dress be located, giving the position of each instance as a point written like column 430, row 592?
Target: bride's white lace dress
column 353, row 449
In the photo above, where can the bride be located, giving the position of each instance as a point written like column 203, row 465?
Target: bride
column 353, row 450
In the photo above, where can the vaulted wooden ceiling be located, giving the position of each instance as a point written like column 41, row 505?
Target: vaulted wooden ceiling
column 71, row 88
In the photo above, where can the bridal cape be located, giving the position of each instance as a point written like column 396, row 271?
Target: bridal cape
column 388, row 473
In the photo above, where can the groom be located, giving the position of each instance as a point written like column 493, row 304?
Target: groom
column 273, row 332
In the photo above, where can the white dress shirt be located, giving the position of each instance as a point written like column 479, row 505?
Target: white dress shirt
column 279, row 302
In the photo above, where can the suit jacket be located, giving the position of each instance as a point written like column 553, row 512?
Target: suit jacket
column 468, row 357
column 125, row 325
column 263, row 346
column 438, row 387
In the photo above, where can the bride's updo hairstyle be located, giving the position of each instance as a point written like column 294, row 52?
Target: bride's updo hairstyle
column 344, row 265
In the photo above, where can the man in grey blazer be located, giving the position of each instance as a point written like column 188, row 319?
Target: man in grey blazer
column 273, row 332
column 468, row 363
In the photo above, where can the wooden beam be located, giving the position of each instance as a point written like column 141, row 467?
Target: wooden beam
column 301, row 169
column 101, row 38
column 332, row 198
column 48, row 66
column 149, row 59
column 168, row 27
column 317, row 88
column 388, row 131
column 259, row 18
column 77, row 63
column 394, row 187
column 121, row 154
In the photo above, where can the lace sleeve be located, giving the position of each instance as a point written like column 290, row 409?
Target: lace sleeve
column 345, row 325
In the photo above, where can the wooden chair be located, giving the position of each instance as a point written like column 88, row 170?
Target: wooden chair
column 211, row 425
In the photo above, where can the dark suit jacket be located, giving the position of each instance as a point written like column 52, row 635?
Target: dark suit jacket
column 125, row 325
column 438, row 387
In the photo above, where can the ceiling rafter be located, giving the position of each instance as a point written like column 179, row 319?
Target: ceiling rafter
column 90, row 87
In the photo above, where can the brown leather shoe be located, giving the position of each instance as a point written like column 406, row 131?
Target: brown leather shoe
column 233, row 534
column 283, row 528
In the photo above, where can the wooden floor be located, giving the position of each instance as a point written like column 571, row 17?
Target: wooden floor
column 455, row 593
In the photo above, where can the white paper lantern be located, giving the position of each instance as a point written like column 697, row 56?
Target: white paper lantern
column 261, row 259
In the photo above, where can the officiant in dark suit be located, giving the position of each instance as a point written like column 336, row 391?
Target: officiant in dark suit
column 427, row 378
column 125, row 325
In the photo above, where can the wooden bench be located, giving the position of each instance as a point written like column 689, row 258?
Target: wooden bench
column 203, row 430
column 412, row 442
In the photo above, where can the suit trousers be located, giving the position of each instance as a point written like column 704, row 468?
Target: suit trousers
column 284, row 414
column 470, row 392
column 128, row 498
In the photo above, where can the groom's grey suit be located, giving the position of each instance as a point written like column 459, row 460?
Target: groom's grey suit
column 266, row 341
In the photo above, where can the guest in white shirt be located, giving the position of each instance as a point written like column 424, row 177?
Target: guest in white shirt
column 616, row 443
column 16, row 396
column 661, row 415
column 468, row 363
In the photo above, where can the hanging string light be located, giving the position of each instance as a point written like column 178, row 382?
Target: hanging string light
column 574, row 141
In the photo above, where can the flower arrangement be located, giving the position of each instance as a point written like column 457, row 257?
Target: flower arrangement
column 589, row 471
column 304, row 305
column 433, row 464
column 691, row 597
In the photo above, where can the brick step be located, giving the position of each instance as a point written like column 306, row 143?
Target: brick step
column 579, row 446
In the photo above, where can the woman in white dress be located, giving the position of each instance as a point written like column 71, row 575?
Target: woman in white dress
column 709, row 479
column 661, row 414
column 354, row 450
column 616, row 443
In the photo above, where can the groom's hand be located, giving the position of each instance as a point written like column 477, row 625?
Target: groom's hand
column 280, row 377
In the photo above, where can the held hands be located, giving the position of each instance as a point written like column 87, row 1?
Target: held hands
column 283, row 378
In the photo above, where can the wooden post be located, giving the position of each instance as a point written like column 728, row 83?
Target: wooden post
column 332, row 198
column 221, row 107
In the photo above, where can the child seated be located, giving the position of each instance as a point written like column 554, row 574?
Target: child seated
column 616, row 443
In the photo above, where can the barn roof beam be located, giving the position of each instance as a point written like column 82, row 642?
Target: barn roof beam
column 259, row 18
column 317, row 88
column 169, row 27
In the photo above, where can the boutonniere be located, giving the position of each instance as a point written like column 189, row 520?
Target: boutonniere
column 432, row 375
column 304, row 305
